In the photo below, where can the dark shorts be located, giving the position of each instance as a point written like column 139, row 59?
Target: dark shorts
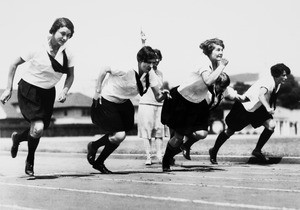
column 112, row 117
column 36, row 103
column 238, row 117
column 184, row 116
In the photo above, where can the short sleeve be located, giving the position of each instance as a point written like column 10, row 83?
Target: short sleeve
column 118, row 71
column 71, row 57
column 267, row 83
column 26, row 55
column 206, row 65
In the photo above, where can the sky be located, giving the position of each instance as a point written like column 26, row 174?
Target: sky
column 257, row 33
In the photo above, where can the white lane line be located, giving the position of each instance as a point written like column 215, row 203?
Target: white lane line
column 267, row 171
column 182, row 200
column 16, row 207
column 175, row 173
column 190, row 184
column 227, row 178
column 66, row 174
column 195, row 185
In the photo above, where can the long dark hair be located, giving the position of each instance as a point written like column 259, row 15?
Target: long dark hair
column 278, row 69
column 145, row 54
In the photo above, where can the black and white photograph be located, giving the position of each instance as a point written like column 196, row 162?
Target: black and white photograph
column 162, row 104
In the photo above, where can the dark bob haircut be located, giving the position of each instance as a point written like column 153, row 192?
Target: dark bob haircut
column 278, row 69
column 158, row 54
column 145, row 54
column 208, row 45
column 223, row 80
column 62, row 22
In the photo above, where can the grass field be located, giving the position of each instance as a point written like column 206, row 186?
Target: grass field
column 237, row 145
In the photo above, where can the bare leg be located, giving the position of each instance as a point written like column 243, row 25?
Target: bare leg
column 148, row 148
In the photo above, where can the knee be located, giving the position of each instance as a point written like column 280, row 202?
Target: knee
column 37, row 129
column 229, row 132
column 176, row 140
column 118, row 137
column 200, row 134
column 270, row 125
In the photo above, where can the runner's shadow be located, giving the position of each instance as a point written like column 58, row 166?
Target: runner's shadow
column 55, row 176
column 270, row 160
column 129, row 172
column 198, row 168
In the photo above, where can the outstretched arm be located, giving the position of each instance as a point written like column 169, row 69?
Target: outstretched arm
column 232, row 94
column 160, row 94
column 241, row 98
column 6, row 95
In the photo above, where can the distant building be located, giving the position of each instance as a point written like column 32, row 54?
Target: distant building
column 10, row 117
column 71, row 118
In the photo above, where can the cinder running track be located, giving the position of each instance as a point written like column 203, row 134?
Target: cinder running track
column 67, row 181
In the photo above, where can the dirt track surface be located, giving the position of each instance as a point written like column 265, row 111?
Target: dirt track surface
column 67, row 181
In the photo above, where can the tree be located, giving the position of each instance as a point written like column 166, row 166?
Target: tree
column 289, row 94
column 241, row 87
